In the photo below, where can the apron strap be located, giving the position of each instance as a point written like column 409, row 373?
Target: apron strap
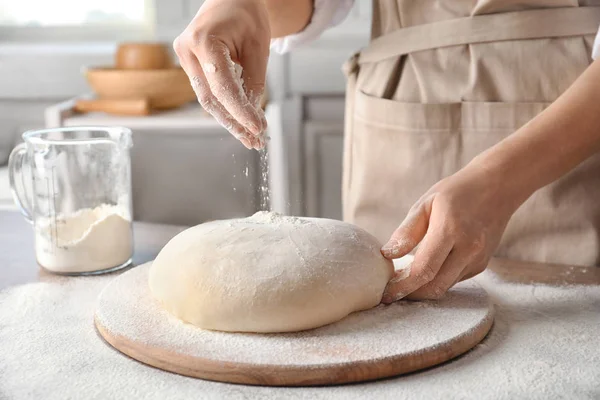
column 529, row 24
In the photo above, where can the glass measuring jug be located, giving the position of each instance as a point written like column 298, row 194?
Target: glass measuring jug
column 74, row 185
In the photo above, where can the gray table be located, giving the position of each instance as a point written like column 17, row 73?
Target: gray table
column 17, row 259
column 544, row 343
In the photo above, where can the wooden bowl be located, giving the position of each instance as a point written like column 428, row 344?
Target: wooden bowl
column 164, row 88
column 143, row 56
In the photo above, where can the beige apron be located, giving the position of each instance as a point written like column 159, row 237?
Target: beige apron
column 441, row 82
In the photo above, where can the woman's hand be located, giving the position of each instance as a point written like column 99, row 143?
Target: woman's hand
column 458, row 223
column 225, row 32
column 460, row 220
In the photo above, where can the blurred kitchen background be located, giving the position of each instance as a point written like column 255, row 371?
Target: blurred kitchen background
column 186, row 169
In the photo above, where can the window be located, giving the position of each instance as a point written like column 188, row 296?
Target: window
column 72, row 20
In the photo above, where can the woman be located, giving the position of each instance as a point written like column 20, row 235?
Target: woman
column 477, row 120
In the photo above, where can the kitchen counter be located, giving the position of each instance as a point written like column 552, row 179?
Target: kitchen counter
column 545, row 342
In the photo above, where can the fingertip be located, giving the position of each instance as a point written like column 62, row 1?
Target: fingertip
column 261, row 143
column 388, row 294
column 263, row 119
column 255, row 130
column 389, row 252
column 390, row 297
column 396, row 249
column 255, row 126
column 251, row 122
column 387, row 297
column 246, row 143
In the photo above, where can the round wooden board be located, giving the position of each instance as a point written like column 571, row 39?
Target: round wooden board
column 377, row 343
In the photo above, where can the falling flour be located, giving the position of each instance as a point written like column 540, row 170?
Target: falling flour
column 237, row 90
column 543, row 345
column 85, row 241
column 264, row 189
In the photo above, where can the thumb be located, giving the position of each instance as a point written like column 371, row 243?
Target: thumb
column 408, row 235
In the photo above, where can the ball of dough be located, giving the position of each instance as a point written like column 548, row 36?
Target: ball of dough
column 269, row 273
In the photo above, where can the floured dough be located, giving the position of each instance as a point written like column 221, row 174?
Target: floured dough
column 269, row 273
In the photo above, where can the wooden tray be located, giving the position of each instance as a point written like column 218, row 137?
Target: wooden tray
column 381, row 342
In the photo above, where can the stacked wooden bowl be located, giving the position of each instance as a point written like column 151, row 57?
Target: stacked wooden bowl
column 144, row 79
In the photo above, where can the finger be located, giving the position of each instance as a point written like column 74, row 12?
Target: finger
column 259, row 142
column 255, row 142
column 226, row 84
column 211, row 105
column 247, row 144
column 450, row 272
column 430, row 256
column 206, row 99
column 467, row 275
column 410, row 232
column 256, row 98
column 472, row 270
column 253, row 76
column 398, row 276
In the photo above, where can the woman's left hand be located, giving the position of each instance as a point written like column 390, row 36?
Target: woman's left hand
column 460, row 220
column 457, row 224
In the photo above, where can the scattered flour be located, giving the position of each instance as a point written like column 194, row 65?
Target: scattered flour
column 275, row 218
column 543, row 345
column 126, row 308
column 85, row 241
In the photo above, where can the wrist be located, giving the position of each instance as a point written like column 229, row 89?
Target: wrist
column 507, row 174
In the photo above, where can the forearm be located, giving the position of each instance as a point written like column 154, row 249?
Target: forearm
column 288, row 16
column 550, row 145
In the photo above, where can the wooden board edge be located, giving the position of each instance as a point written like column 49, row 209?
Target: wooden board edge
column 270, row 375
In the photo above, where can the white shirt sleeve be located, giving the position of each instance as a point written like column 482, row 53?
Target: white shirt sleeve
column 326, row 14
column 596, row 48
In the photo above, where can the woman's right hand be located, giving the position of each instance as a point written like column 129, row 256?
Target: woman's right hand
column 222, row 33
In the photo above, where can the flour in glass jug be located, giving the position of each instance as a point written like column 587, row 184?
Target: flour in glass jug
column 87, row 240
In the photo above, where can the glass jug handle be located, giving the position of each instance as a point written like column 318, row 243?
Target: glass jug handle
column 15, row 168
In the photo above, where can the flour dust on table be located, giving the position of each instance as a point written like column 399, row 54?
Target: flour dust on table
column 269, row 273
column 543, row 345
column 363, row 346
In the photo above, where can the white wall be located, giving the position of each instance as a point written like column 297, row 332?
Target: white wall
column 33, row 76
